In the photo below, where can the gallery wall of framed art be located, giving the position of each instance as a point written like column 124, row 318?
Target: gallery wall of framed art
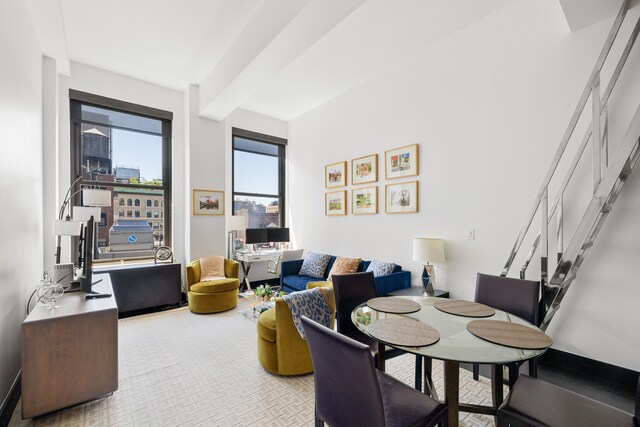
column 399, row 197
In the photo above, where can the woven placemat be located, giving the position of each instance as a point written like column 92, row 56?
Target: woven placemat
column 403, row 332
column 393, row 305
column 465, row 308
column 509, row 334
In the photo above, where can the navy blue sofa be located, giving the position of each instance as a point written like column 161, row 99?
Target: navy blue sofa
column 292, row 281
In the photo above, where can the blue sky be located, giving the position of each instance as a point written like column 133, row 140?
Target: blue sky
column 255, row 173
column 134, row 149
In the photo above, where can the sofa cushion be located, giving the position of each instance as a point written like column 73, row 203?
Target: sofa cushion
column 267, row 325
column 314, row 265
column 344, row 266
column 298, row 282
column 214, row 286
column 381, row 268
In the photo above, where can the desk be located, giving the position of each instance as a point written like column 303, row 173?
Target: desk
column 70, row 354
column 246, row 259
column 456, row 346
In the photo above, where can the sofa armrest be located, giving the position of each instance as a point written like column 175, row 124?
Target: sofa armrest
column 290, row 268
column 392, row 282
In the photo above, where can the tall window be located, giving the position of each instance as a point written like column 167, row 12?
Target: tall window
column 126, row 149
column 258, row 178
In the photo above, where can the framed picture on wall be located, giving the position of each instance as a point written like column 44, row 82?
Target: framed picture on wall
column 401, row 162
column 335, row 175
column 364, row 201
column 364, row 169
column 207, row 202
column 401, row 198
column 335, row 203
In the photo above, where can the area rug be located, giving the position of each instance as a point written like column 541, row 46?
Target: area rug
column 177, row 368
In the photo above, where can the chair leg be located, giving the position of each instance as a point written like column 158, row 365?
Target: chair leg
column 533, row 368
column 319, row 422
column 514, row 372
column 476, row 371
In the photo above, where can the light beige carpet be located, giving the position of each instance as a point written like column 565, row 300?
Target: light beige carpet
column 177, row 368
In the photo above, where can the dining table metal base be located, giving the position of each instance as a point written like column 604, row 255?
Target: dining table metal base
column 452, row 393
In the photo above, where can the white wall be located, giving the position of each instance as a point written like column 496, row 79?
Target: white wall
column 487, row 107
column 206, row 148
column 20, row 180
column 104, row 83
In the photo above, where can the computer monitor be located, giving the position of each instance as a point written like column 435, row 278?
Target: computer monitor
column 256, row 235
column 277, row 234
column 86, row 257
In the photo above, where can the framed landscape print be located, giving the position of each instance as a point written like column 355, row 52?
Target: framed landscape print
column 364, row 169
column 335, row 203
column 401, row 162
column 335, row 175
column 364, row 201
column 401, row 198
column 207, row 202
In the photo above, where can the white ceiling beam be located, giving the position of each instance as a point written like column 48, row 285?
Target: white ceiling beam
column 48, row 23
column 277, row 34
column 582, row 13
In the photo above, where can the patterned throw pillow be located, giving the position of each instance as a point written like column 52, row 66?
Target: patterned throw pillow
column 381, row 268
column 344, row 266
column 314, row 265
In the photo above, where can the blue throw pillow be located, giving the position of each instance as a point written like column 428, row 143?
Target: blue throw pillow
column 314, row 265
column 381, row 268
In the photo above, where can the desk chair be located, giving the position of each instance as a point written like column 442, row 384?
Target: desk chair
column 273, row 267
column 350, row 391
column 515, row 296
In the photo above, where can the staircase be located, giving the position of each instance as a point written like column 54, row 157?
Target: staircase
column 609, row 176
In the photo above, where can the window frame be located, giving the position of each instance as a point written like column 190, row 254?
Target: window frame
column 281, row 143
column 78, row 98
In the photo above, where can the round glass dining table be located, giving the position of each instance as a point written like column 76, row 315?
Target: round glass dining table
column 456, row 345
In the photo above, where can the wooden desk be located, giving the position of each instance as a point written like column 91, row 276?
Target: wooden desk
column 70, row 354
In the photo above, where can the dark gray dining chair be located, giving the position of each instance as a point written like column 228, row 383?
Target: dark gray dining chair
column 351, row 290
column 350, row 391
column 533, row 402
column 515, row 296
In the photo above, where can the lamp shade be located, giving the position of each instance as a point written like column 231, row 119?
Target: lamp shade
column 83, row 213
column 235, row 222
column 67, row 228
column 96, row 197
column 426, row 249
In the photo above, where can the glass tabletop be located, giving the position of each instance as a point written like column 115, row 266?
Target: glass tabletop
column 456, row 343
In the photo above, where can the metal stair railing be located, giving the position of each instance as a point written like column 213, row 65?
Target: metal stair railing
column 608, row 179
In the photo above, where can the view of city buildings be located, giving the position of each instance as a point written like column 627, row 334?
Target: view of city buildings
column 258, row 215
column 134, row 224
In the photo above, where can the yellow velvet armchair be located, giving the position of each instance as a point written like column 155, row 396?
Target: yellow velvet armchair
column 281, row 350
column 216, row 295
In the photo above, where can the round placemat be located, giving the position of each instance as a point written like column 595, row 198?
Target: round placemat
column 465, row 308
column 509, row 334
column 403, row 332
column 393, row 305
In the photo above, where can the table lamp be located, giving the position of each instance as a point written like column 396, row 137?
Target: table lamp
column 233, row 224
column 427, row 250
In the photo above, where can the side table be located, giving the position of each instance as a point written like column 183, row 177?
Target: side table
column 416, row 291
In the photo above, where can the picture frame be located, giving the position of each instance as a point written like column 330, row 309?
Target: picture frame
column 335, row 203
column 364, row 201
column 401, row 197
column 207, row 202
column 335, row 175
column 401, row 162
column 364, row 169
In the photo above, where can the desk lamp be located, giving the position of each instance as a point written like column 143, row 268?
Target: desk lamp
column 427, row 250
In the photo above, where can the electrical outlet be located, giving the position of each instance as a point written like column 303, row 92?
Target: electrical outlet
column 471, row 234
